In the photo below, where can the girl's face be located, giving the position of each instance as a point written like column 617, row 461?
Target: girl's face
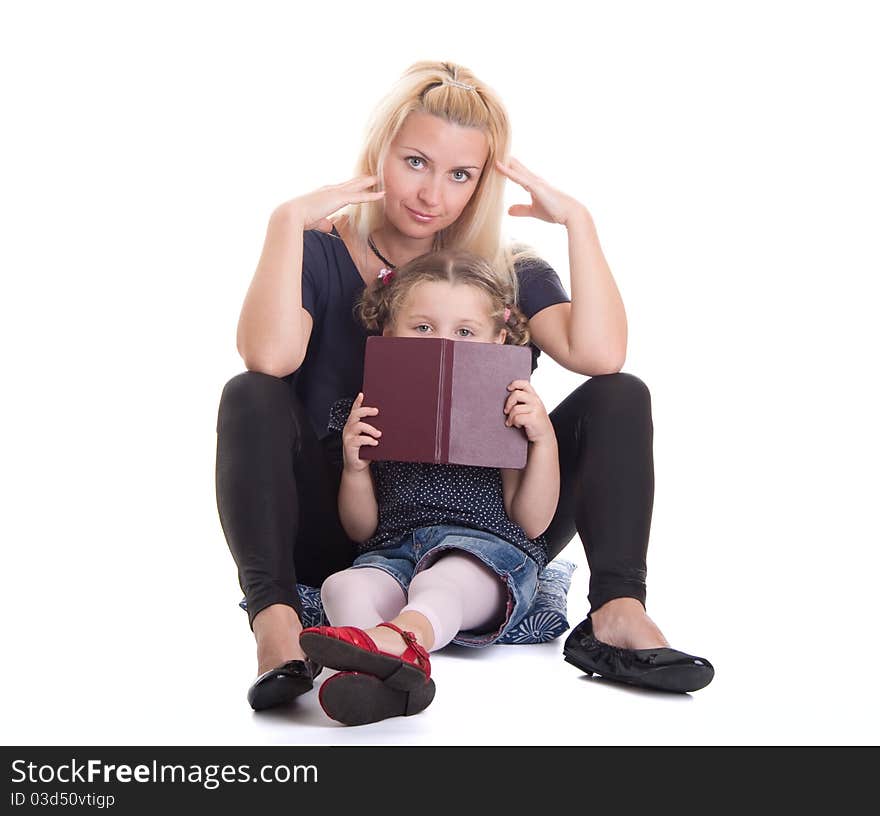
column 431, row 171
column 442, row 309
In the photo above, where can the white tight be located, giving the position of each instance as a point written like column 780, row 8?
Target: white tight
column 458, row 592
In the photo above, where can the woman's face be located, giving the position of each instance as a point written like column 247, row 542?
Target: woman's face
column 443, row 309
column 431, row 171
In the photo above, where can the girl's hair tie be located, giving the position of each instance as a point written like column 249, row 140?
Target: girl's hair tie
column 506, row 313
column 385, row 275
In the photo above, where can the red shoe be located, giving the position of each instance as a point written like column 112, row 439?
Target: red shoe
column 351, row 649
column 353, row 698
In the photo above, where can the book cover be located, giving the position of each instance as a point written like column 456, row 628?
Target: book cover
column 442, row 401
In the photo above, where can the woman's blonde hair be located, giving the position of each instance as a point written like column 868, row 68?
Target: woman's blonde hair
column 381, row 301
column 453, row 93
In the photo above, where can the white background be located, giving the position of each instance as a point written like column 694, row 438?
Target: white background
column 728, row 154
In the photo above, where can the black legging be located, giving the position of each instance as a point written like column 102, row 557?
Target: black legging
column 277, row 485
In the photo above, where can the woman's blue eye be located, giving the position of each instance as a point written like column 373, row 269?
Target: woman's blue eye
column 423, row 326
column 412, row 159
column 465, row 332
column 464, row 173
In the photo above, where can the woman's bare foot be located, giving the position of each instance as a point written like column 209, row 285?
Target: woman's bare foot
column 623, row 622
column 277, row 629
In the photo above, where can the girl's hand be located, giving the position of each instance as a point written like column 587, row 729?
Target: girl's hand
column 548, row 203
column 356, row 433
column 314, row 208
column 525, row 410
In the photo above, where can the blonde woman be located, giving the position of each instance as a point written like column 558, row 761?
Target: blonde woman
column 431, row 176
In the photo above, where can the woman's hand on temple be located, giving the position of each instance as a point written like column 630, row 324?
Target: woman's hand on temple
column 548, row 203
column 357, row 433
column 313, row 209
column 525, row 410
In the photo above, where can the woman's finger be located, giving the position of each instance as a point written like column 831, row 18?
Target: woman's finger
column 359, row 181
column 365, row 440
column 362, row 198
column 517, row 165
column 341, row 198
column 515, row 174
column 363, row 427
column 533, row 178
column 322, row 224
column 521, row 211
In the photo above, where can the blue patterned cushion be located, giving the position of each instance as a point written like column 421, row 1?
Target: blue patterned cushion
column 548, row 617
column 545, row 621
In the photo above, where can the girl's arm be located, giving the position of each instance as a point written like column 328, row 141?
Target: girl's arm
column 358, row 508
column 273, row 328
column 589, row 334
column 531, row 494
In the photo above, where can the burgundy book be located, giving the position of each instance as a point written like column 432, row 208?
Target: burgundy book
column 442, row 401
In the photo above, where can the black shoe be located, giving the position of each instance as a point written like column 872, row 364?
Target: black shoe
column 283, row 684
column 355, row 698
column 661, row 668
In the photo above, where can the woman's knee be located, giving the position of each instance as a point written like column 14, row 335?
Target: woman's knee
column 621, row 386
column 253, row 399
column 616, row 393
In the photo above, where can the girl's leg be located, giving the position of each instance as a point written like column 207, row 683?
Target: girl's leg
column 361, row 597
column 276, row 495
column 457, row 592
column 605, row 435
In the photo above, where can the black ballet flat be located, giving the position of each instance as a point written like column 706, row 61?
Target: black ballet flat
column 662, row 668
column 283, row 684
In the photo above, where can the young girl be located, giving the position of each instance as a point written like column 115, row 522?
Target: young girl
column 446, row 552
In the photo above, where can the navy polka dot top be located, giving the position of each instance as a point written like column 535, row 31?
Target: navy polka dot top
column 411, row 495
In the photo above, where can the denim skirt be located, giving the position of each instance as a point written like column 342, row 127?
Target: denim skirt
column 419, row 549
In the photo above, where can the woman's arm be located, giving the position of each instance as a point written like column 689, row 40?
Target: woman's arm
column 589, row 334
column 531, row 495
column 274, row 329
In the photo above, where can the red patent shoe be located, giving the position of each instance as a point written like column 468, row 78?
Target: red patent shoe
column 351, row 649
